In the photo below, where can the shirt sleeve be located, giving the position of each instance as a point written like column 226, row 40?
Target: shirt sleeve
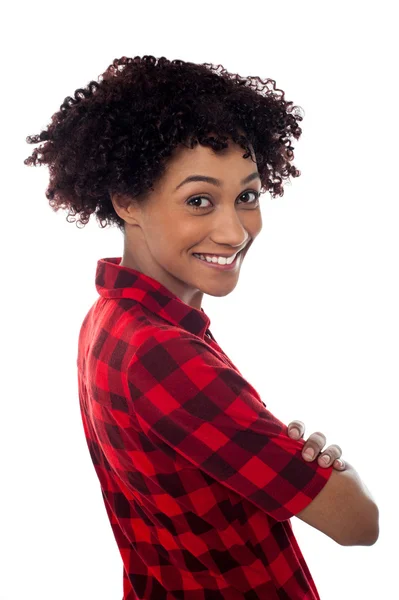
column 188, row 401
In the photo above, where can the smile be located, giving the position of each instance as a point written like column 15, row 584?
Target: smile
column 221, row 267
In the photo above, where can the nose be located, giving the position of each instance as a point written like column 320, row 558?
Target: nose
column 232, row 232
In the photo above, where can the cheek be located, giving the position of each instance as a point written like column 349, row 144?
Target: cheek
column 252, row 222
column 255, row 225
column 169, row 238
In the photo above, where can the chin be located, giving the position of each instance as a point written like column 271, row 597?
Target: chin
column 218, row 293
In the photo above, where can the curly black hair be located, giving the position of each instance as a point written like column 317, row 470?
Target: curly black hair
column 115, row 135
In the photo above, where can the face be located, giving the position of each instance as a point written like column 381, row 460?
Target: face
column 179, row 219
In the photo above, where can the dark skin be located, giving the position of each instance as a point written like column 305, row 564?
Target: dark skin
column 162, row 234
column 316, row 442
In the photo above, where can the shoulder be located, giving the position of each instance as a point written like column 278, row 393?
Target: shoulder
column 161, row 351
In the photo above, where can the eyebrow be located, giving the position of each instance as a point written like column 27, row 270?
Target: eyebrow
column 215, row 181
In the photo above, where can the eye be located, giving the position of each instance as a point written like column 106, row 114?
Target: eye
column 255, row 202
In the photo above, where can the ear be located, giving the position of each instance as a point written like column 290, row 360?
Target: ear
column 125, row 208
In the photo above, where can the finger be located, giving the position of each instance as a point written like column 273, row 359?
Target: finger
column 339, row 464
column 314, row 445
column 329, row 455
column 296, row 429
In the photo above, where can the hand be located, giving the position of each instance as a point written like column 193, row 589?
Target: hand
column 316, row 442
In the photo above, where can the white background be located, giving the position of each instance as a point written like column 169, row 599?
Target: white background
column 313, row 321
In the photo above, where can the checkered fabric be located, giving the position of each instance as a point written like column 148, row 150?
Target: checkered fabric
column 198, row 478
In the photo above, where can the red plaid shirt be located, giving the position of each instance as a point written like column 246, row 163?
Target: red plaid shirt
column 198, row 478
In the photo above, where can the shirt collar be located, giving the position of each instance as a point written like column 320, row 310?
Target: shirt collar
column 114, row 281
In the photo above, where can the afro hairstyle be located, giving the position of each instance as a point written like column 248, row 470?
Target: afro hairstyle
column 116, row 134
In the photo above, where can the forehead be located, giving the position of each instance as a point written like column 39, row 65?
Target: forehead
column 203, row 160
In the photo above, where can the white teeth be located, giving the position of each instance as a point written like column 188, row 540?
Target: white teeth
column 221, row 260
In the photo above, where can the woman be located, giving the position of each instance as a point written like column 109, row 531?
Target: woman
column 198, row 478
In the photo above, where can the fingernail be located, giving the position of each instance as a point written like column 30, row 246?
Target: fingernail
column 326, row 459
column 294, row 433
column 309, row 453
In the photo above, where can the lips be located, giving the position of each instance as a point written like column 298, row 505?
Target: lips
column 225, row 267
column 217, row 255
column 212, row 256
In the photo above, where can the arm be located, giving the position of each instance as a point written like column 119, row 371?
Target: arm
column 187, row 404
column 344, row 510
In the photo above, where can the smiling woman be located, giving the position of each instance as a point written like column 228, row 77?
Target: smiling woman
column 155, row 148
column 198, row 478
column 175, row 242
